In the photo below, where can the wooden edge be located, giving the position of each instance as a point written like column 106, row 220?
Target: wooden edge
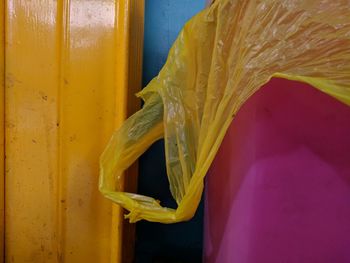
column 2, row 132
column 129, row 48
column 136, row 34
column 122, row 8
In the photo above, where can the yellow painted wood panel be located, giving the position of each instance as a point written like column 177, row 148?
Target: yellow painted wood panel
column 31, row 132
column 121, row 73
column 67, row 78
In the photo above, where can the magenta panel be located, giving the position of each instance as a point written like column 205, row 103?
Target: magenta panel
column 279, row 188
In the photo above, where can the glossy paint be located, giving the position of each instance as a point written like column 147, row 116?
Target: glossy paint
column 66, row 91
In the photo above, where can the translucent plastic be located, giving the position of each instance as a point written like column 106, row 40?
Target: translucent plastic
column 222, row 56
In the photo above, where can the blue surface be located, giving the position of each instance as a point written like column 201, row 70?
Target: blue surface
column 180, row 242
column 163, row 21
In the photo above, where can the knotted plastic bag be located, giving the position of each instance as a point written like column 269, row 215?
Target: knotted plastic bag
column 222, row 56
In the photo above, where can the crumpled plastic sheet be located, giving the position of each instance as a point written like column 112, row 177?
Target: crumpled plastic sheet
column 222, row 56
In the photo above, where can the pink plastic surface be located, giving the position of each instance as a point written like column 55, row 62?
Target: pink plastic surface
column 279, row 188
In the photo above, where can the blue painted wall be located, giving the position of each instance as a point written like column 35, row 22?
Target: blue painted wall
column 163, row 21
column 157, row 242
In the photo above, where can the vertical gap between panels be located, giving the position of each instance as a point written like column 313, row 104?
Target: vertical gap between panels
column 62, row 42
column 2, row 103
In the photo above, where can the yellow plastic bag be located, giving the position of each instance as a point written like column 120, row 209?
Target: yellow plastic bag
column 222, row 56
